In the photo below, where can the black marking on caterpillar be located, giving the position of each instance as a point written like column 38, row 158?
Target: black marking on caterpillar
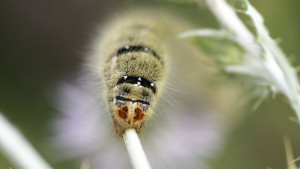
column 138, row 81
column 137, row 48
column 130, row 100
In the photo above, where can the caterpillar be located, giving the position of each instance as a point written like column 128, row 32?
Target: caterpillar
column 140, row 68
column 132, row 59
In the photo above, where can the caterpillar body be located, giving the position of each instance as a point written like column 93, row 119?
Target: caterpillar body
column 132, row 60
column 141, row 68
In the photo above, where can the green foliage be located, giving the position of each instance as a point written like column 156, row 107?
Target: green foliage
column 224, row 51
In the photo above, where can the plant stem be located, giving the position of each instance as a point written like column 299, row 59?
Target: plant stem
column 134, row 147
column 14, row 145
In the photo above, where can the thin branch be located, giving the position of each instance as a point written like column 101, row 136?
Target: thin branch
column 289, row 153
column 14, row 145
column 134, row 147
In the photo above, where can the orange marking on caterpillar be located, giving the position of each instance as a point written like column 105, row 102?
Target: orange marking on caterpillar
column 123, row 112
column 138, row 114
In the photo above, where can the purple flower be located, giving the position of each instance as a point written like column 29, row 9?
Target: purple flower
column 182, row 138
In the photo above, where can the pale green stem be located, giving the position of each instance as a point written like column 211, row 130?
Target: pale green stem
column 17, row 149
column 134, row 147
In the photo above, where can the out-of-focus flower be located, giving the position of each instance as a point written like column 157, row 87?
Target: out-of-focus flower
column 79, row 127
column 184, row 138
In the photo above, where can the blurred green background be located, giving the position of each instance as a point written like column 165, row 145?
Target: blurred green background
column 43, row 43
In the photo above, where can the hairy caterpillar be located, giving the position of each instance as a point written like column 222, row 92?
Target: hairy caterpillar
column 131, row 58
column 183, row 75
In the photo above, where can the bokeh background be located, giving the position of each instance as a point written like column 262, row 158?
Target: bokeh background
column 43, row 43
